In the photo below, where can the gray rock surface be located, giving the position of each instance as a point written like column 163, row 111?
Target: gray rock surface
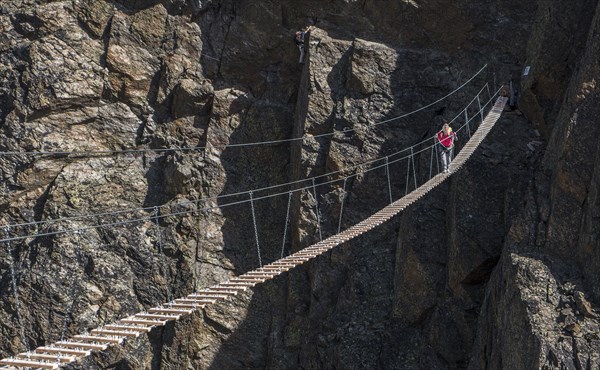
column 495, row 269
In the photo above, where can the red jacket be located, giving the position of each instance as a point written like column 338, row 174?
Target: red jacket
column 447, row 141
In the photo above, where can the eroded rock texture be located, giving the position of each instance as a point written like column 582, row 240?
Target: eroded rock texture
column 496, row 269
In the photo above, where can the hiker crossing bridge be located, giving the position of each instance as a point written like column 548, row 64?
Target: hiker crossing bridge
column 53, row 356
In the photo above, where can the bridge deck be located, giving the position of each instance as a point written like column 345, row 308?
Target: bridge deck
column 57, row 354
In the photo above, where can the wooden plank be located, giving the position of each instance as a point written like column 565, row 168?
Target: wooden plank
column 29, row 363
column 298, row 261
column 218, row 290
column 236, row 283
column 211, row 295
column 254, row 279
column 137, row 328
column 259, row 274
column 68, row 351
column 196, row 301
column 151, row 316
column 169, row 310
column 143, row 322
column 296, row 258
column 231, row 289
column 93, row 338
column 189, row 306
column 287, row 265
column 116, row 333
column 42, row 356
column 264, row 277
column 82, row 345
column 277, row 268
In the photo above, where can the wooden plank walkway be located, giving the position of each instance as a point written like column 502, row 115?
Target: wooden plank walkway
column 63, row 352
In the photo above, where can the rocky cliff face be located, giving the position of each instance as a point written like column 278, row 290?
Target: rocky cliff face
column 493, row 270
column 537, row 312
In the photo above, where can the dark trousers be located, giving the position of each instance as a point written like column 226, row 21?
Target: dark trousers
column 302, row 53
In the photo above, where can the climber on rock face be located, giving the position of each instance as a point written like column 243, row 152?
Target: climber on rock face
column 300, row 40
column 446, row 138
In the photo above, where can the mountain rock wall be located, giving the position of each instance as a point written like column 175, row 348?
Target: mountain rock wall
column 540, row 305
column 453, row 282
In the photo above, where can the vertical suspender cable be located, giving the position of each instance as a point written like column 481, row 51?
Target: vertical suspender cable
column 387, row 170
column 162, row 255
column 467, row 122
column 13, row 275
column 437, row 155
column 196, row 255
column 317, row 209
column 287, row 220
column 412, row 157
column 72, row 292
column 342, row 205
column 255, row 229
column 407, row 175
column 431, row 160
column 480, row 109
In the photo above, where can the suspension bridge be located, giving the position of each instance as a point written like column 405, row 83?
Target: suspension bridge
column 68, row 350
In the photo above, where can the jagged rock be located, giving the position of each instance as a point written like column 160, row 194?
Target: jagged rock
column 574, row 329
column 523, row 324
column 132, row 65
column 584, row 307
column 95, row 15
column 191, row 98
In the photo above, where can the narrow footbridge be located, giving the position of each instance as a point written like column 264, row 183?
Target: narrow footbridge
column 52, row 356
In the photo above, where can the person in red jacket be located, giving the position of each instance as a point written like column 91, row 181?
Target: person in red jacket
column 446, row 138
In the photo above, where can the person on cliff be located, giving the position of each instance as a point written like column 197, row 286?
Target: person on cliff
column 300, row 40
column 446, row 138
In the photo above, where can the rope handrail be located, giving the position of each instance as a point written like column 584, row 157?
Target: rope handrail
column 187, row 203
column 88, row 153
